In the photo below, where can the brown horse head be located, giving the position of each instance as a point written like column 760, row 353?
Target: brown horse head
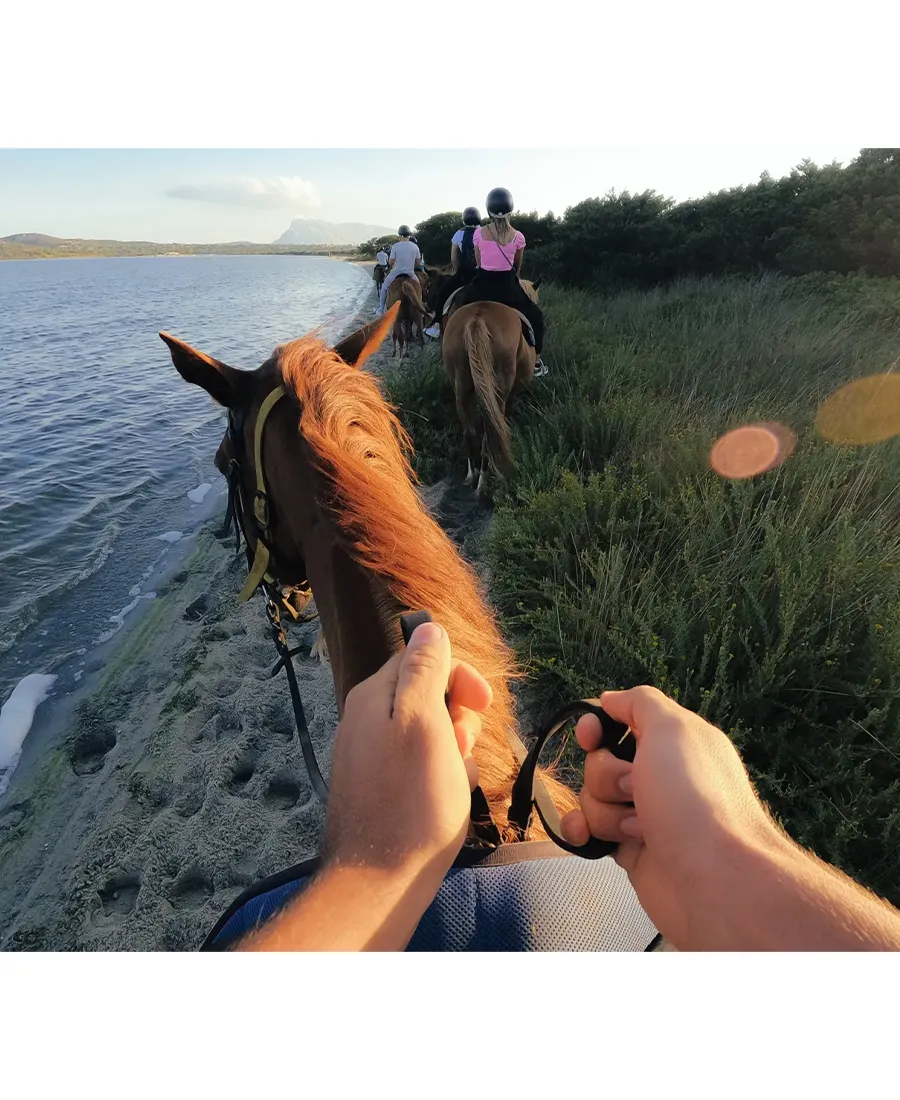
column 531, row 288
column 345, row 513
column 242, row 393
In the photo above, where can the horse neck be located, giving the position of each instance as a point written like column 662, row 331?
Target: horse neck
column 358, row 616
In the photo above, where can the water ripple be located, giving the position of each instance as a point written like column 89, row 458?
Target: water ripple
column 102, row 441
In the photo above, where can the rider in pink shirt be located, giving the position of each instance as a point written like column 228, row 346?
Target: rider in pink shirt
column 499, row 248
column 496, row 256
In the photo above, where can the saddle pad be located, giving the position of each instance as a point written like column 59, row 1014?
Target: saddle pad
column 525, row 897
column 527, row 330
column 451, row 299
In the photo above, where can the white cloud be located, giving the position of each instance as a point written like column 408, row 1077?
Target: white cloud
column 277, row 193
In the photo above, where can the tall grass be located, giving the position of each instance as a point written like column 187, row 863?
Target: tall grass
column 771, row 606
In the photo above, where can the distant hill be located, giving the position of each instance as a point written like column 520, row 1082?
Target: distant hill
column 37, row 239
column 310, row 231
column 40, row 246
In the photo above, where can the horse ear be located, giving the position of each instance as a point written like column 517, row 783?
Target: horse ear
column 223, row 383
column 537, row 282
column 356, row 348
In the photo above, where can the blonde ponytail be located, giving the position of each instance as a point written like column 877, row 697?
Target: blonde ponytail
column 503, row 231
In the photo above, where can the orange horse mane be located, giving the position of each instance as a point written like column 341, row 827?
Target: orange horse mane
column 362, row 453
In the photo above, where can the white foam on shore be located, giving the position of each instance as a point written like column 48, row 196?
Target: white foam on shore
column 198, row 495
column 174, row 536
column 119, row 618
column 16, row 717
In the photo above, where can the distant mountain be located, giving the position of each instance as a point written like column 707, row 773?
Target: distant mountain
column 310, row 231
column 40, row 240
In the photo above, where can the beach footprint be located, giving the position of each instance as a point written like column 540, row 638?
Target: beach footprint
column 191, row 890
column 197, row 609
column 283, row 792
column 87, row 751
column 118, row 896
column 243, row 770
column 14, row 815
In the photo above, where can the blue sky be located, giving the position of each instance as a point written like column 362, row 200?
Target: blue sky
column 207, row 195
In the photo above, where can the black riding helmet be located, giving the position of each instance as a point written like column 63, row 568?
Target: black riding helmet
column 471, row 216
column 404, row 231
column 499, row 202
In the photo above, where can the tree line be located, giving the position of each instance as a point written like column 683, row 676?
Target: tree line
column 815, row 219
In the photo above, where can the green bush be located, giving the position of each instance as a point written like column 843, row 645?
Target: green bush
column 370, row 248
column 770, row 605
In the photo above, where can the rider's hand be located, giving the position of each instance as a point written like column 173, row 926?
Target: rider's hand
column 695, row 812
column 402, row 770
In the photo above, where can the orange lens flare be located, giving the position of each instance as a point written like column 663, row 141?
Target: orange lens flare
column 864, row 411
column 751, row 450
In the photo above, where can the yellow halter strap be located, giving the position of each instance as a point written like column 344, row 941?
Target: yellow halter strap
column 260, row 570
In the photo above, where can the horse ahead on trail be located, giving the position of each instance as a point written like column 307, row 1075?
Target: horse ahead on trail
column 487, row 354
column 411, row 315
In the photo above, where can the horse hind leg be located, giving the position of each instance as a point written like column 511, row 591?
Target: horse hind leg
column 467, row 412
column 319, row 651
column 470, row 470
column 483, row 488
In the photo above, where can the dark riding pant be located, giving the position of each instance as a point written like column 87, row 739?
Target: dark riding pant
column 504, row 287
column 453, row 283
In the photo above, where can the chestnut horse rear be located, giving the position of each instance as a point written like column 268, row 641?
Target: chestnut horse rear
column 408, row 292
column 485, row 355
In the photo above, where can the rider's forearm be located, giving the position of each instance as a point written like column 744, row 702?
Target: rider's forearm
column 772, row 895
column 348, row 909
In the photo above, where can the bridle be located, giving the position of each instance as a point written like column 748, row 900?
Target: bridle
column 529, row 792
column 279, row 598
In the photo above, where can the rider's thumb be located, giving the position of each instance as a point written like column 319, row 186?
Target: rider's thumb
column 424, row 672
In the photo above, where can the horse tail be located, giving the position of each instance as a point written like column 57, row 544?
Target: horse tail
column 413, row 299
column 481, row 364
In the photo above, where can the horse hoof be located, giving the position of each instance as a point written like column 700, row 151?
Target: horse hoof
column 319, row 651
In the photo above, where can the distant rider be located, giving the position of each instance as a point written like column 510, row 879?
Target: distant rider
column 405, row 257
column 463, row 262
column 381, row 266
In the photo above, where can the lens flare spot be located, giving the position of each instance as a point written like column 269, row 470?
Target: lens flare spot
column 864, row 411
column 751, row 450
